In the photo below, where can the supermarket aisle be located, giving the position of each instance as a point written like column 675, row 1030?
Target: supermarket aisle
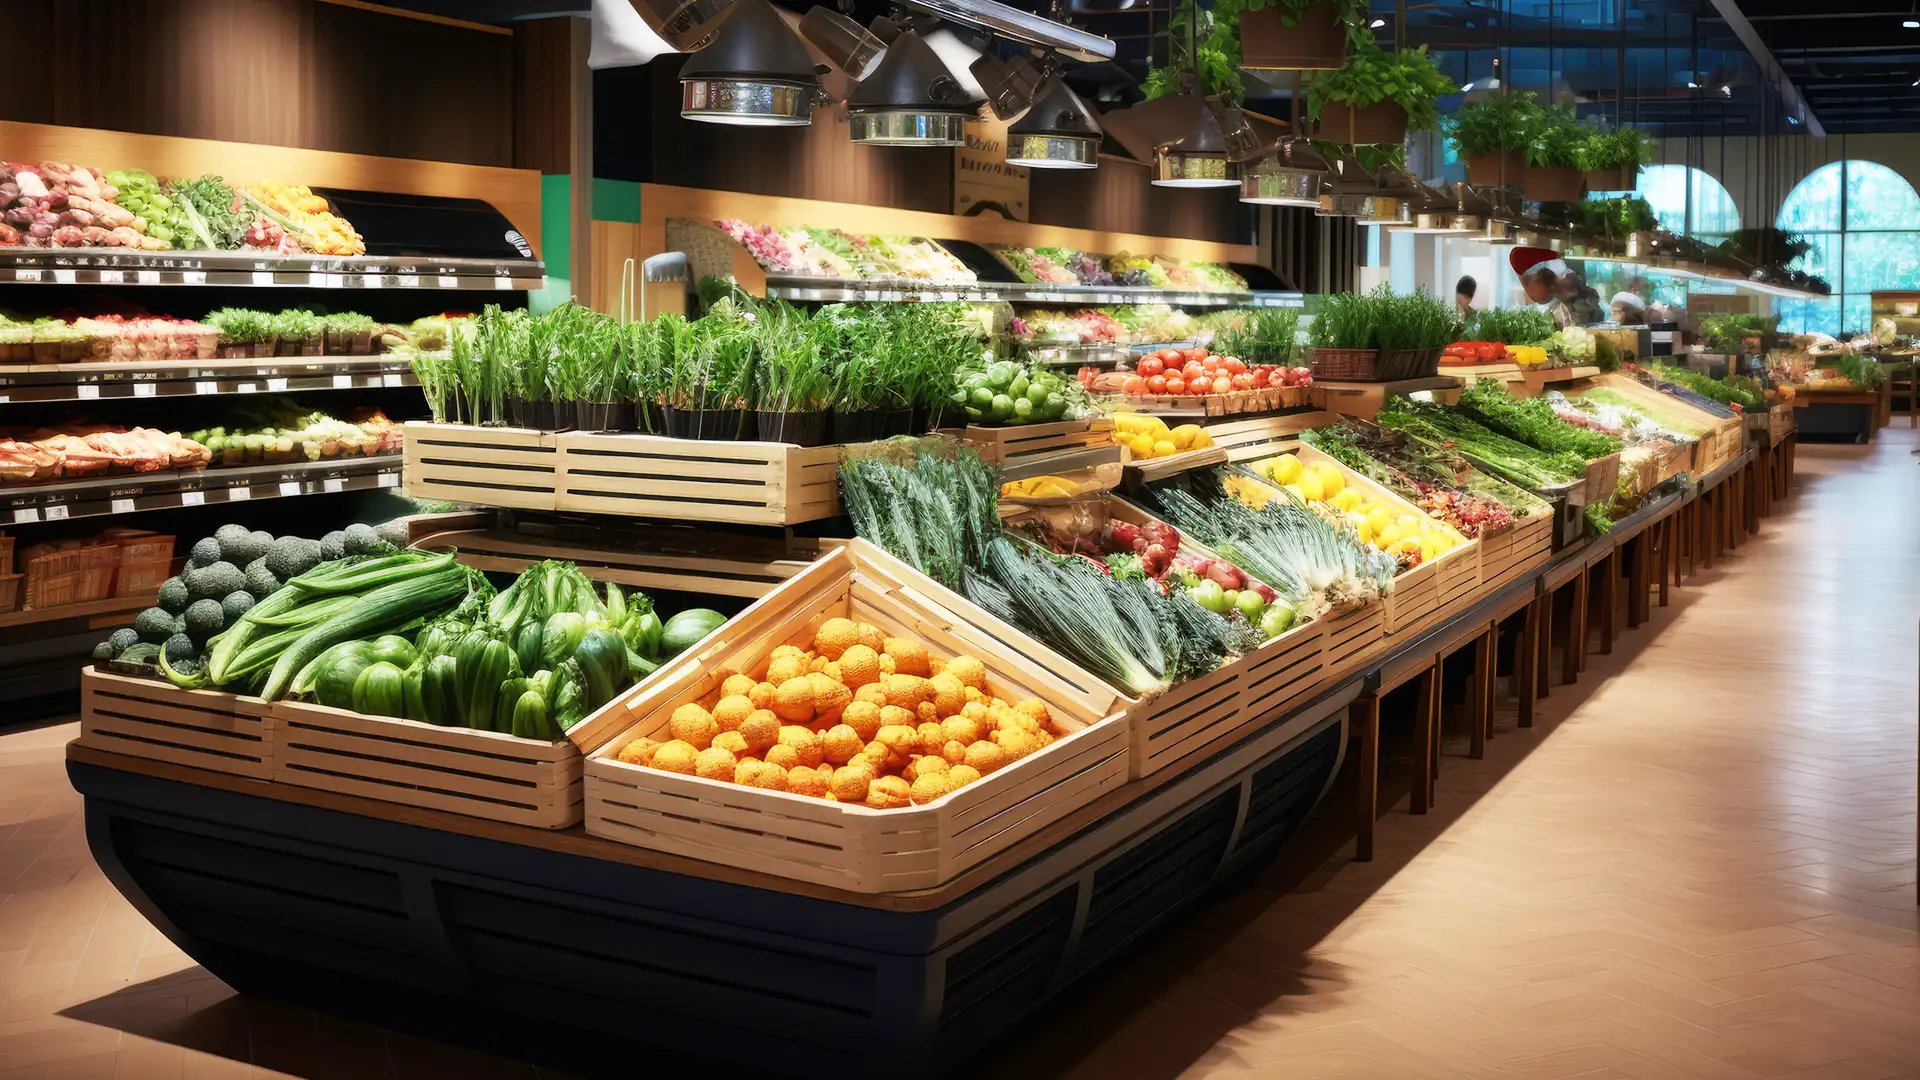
column 1699, row 865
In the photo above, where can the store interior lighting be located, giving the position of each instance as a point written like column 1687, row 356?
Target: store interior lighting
column 756, row 73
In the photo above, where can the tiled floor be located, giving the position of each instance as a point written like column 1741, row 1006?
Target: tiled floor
column 1700, row 864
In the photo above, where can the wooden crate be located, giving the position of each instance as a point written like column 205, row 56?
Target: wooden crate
column 1351, row 639
column 1603, row 474
column 1240, row 694
column 749, row 483
column 846, row 846
column 1780, row 422
column 1024, row 442
column 1506, row 556
column 1266, row 435
column 148, row 718
column 1423, row 591
column 733, row 567
column 483, row 774
column 1237, row 403
column 511, row 467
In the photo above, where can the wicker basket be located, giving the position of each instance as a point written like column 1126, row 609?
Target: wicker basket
column 144, row 547
column 6, row 554
column 141, row 578
column 1344, row 365
column 9, row 592
column 75, row 575
column 1395, row 364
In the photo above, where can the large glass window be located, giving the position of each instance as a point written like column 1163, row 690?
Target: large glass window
column 1688, row 202
column 1863, row 220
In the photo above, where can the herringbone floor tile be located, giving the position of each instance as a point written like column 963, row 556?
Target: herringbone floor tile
column 1699, row 864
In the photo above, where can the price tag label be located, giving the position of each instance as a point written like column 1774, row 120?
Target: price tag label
column 263, row 277
column 193, row 277
column 448, row 281
column 502, row 283
column 193, row 498
column 239, row 494
column 57, row 512
column 206, row 388
column 143, row 389
column 123, row 506
column 373, row 380
column 248, row 388
column 88, row 391
column 4, row 399
column 26, row 275
column 149, row 277
column 389, row 479
column 112, row 277
column 949, row 296
column 333, row 484
column 64, row 277
column 408, row 281
column 26, row 514
column 317, row 279
column 373, row 281
column 276, row 385
column 391, row 378
column 290, row 487
column 343, row 382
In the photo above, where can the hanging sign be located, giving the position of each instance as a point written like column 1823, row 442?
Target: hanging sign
column 983, row 182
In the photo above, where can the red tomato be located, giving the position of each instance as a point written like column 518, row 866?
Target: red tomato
column 1151, row 366
column 1157, row 384
column 1170, row 356
column 1277, row 377
column 1176, row 385
column 1194, row 370
column 1134, row 385
column 1222, row 384
column 1194, row 354
column 1211, row 362
column 1232, row 365
column 1243, row 381
column 1492, row 351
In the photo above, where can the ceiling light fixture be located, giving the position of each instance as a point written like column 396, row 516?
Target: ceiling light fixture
column 909, row 99
column 850, row 47
column 1912, row 24
column 1725, row 90
column 1290, row 176
column 1376, row 24
column 1057, row 132
column 756, row 73
column 687, row 25
column 1691, row 85
column 1196, row 156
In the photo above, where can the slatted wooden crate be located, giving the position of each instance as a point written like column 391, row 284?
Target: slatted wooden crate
column 1506, row 556
column 1245, row 440
column 1603, row 474
column 1423, row 591
column 749, row 483
column 1780, row 422
column 510, row 467
column 1021, row 442
column 734, row 568
column 1166, row 728
column 485, row 774
column 1351, row 639
column 847, row 846
column 149, row 718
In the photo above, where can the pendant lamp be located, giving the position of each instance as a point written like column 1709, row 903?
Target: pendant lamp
column 756, row 73
column 1057, row 132
column 1195, row 157
column 1291, row 176
column 909, row 99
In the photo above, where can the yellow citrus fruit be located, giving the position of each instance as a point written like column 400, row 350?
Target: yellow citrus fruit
column 1310, row 486
column 1165, row 448
column 1285, row 469
column 1184, row 435
column 1378, row 519
column 1346, row 499
column 1384, row 539
column 1332, row 480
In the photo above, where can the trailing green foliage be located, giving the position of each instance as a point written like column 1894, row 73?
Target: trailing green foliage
column 1510, row 326
column 1442, row 428
column 1408, row 78
column 1533, row 421
column 1501, row 123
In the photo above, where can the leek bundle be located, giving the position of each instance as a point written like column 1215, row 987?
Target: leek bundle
column 937, row 515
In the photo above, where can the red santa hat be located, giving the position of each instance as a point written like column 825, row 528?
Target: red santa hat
column 1525, row 260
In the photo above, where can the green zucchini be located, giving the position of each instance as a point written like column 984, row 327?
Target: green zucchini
column 492, row 667
column 376, row 573
column 382, row 609
column 380, row 691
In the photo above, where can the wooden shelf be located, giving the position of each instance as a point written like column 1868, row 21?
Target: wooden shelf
column 78, row 611
column 1363, row 399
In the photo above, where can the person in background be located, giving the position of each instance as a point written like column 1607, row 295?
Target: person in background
column 1629, row 309
column 1463, row 291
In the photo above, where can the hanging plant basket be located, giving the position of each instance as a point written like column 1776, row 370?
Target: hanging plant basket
column 1381, row 122
column 1318, row 42
column 1552, row 183
column 1496, row 170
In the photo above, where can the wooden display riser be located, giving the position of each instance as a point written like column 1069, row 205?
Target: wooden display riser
column 559, row 948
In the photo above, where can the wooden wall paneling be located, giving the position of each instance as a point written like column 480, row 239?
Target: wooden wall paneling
column 817, row 161
column 614, row 242
column 514, row 192
column 1118, row 197
column 282, row 72
column 542, row 94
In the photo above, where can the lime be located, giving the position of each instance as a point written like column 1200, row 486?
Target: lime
column 1022, row 410
column 978, row 378
column 1002, row 408
column 981, row 398
column 1055, row 407
column 1000, row 374
column 1018, row 388
column 1038, row 394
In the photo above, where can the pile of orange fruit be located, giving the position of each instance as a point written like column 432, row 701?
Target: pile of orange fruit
column 854, row 716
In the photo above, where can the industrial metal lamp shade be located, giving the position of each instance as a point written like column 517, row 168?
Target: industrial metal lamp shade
column 910, row 99
column 756, row 73
column 1292, row 176
column 1185, row 169
column 1058, row 132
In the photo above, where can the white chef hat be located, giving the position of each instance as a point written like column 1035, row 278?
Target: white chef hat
column 1629, row 300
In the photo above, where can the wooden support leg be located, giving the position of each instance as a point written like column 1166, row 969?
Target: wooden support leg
column 1638, row 585
column 1526, row 663
column 1691, row 533
column 1609, row 600
column 1425, row 728
column 1364, row 716
column 1434, row 697
column 1669, row 555
column 1576, row 646
column 1542, row 614
column 1481, row 697
column 1710, row 526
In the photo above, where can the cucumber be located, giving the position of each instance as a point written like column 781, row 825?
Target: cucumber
column 382, row 609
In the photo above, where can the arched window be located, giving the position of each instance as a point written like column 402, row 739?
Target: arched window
column 1711, row 210
column 1863, row 220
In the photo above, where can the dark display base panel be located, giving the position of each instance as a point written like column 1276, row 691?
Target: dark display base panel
column 605, row 968
column 1826, row 421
